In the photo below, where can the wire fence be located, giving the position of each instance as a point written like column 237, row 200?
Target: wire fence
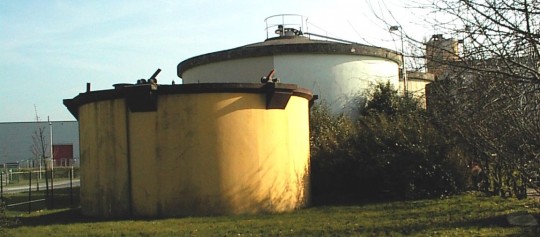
column 26, row 187
column 40, row 163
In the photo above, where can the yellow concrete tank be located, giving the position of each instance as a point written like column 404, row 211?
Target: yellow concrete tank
column 193, row 149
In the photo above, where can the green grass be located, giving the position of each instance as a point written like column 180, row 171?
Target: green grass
column 463, row 215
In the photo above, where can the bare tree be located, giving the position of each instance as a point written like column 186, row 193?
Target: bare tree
column 495, row 84
column 485, row 54
column 39, row 144
column 490, row 115
column 501, row 37
column 39, row 149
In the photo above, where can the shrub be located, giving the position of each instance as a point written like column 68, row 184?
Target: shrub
column 385, row 153
column 4, row 219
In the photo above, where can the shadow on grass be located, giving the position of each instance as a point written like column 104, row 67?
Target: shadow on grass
column 61, row 208
column 69, row 216
column 492, row 221
column 59, row 199
column 417, row 228
column 349, row 200
column 498, row 221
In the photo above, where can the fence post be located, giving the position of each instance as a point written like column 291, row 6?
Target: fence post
column 1, row 185
column 52, row 188
column 39, row 176
column 29, row 191
column 71, row 185
column 37, row 181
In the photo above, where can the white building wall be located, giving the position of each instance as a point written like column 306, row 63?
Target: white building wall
column 248, row 70
column 334, row 77
column 417, row 87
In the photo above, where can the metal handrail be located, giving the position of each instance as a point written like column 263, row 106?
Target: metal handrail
column 284, row 23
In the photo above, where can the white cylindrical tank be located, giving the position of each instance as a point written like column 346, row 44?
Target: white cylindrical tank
column 333, row 70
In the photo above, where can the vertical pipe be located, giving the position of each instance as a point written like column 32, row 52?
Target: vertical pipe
column 128, row 147
column 79, row 165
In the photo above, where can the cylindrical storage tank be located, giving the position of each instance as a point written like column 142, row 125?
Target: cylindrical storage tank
column 333, row 70
column 193, row 149
column 416, row 84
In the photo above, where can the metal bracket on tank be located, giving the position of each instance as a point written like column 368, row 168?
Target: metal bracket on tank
column 143, row 96
column 270, row 77
column 277, row 97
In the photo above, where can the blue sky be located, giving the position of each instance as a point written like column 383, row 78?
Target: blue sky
column 50, row 49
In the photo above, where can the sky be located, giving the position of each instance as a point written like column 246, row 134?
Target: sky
column 50, row 49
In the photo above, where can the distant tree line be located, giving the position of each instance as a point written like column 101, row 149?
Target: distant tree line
column 497, row 120
column 486, row 102
column 489, row 98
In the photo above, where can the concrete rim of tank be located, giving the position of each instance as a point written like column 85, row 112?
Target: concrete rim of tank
column 288, row 46
column 421, row 76
column 195, row 88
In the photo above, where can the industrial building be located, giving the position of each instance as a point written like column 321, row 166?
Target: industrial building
column 18, row 142
column 440, row 51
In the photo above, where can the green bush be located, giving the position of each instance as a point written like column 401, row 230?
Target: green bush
column 390, row 151
column 4, row 219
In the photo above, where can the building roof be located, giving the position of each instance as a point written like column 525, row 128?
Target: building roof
column 288, row 45
column 144, row 97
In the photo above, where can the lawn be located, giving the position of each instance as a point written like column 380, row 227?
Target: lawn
column 463, row 215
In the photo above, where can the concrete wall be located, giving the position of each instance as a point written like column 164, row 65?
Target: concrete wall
column 416, row 84
column 105, row 189
column 417, row 87
column 198, row 154
column 249, row 70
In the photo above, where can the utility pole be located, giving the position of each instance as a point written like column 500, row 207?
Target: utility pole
column 404, row 70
